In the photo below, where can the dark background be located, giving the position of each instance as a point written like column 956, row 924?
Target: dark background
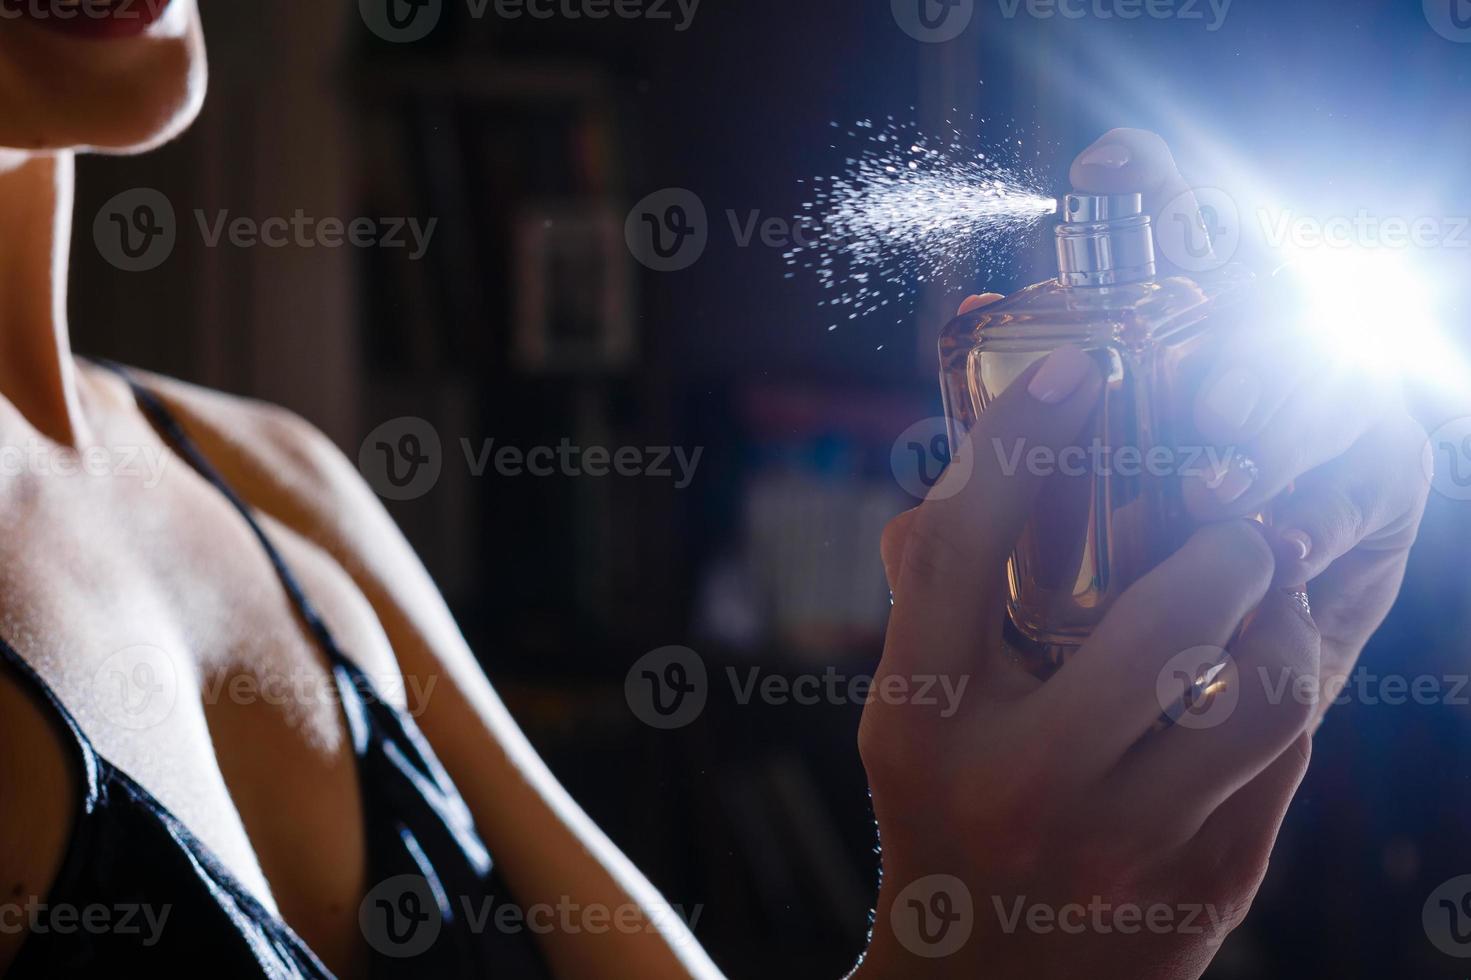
column 506, row 129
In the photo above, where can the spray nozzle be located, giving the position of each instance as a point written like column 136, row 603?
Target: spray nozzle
column 1104, row 240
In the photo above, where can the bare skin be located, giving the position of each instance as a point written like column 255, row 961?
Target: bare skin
column 95, row 565
column 90, row 566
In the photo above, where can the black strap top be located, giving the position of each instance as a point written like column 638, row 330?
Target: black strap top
column 171, row 908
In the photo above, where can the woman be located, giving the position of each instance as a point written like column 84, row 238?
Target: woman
column 330, row 834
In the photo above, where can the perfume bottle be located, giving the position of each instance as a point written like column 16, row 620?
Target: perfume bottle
column 1113, row 509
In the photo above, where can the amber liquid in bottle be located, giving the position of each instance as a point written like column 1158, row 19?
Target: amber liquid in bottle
column 1111, row 508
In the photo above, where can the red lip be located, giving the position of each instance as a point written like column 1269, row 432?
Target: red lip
column 87, row 18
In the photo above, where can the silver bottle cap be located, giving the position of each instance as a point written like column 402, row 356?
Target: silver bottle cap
column 1104, row 240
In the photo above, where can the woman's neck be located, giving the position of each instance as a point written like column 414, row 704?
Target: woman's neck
column 37, row 372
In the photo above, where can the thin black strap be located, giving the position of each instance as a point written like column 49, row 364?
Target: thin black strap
column 36, row 684
column 174, row 433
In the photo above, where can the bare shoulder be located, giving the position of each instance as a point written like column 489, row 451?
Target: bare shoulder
column 282, row 464
column 286, row 467
column 270, row 443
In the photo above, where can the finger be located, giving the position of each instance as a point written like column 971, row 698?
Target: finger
column 1128, row 161
column 1372, row 496
column 1351, row 600
column 952, row 575
column 1316, row 420
column 1238, row 838
column 1197, row 598
column 973, row 303
column 1264, row 701
column 896, row 534
column 892, row 543
column 1252, row 375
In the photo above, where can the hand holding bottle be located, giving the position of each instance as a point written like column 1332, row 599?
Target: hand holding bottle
column 1046, row 829
column 1332, row 449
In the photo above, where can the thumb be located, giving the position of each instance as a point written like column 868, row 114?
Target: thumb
column 1136, row 161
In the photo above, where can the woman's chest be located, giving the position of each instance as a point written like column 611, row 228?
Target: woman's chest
column 171, row 637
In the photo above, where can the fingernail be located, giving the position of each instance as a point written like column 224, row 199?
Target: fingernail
column 1112, row 155
column 1232, row 398
column 1060, row 375
column 1233, row 478
column 1300, row 542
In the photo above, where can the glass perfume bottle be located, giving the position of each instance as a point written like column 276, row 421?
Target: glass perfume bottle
column 1114, row 509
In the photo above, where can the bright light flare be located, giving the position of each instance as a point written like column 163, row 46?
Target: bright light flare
column 1376, row 311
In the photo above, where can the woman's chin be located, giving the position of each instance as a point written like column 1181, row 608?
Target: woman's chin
column 113, row 93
